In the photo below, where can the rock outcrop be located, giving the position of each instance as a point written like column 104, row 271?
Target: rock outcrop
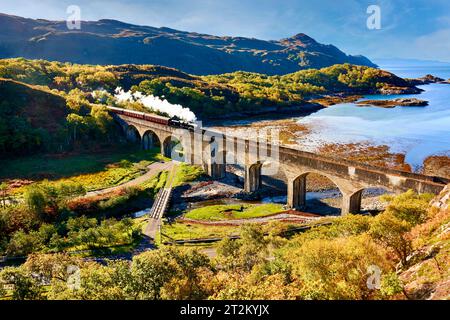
column 438, row 165
column 442, row 201
column 401, row 102
column 400, row 90
column 428, row 79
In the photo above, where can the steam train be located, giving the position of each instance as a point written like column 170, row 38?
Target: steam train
column 172, row 122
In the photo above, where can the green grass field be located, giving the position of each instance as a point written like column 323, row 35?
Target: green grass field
column 185, row 173
column 93, row 171
column 234, row 211
column 186, row 231
column 182, row 231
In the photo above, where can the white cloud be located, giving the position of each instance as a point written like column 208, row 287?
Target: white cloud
column 435, row 45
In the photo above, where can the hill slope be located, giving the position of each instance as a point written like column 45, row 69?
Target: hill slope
column 34, row 118
column 209, row 96
column 110, row 42
column 29, row 117
column 42, row 109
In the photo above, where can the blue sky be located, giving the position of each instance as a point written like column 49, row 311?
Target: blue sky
column 417, row 29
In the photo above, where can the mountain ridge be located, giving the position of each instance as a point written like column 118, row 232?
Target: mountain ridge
column 109, row 42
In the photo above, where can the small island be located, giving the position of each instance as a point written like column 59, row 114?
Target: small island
column 402, row 102
column 428, row 79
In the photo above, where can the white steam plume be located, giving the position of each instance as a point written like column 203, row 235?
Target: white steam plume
column 156, row 104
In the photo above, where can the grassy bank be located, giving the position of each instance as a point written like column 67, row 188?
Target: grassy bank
column 183, row 231
column 59, row 166
column 235, row 211
column 93, row 171
column 185, row 173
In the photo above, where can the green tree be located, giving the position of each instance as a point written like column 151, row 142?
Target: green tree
column 47, row 198
column 228, row 253
column 103, row 120
column 75, row 123
column 51, row 267
column 168, row 273
column 25, row 287
column 149, row 272
column 22, row 243
column 187, row 283
column 35, row 200
column 77, row 101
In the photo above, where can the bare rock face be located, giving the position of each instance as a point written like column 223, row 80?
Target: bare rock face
column 442, row 201
column 437, row 166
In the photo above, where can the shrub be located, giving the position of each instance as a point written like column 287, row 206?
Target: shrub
column 47, row 199
column 125, row 164
column 409, row 206
column 338, row 268
column 22, row 244
column 25, row 286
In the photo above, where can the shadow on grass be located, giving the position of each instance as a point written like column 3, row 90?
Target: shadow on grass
column 57, row 166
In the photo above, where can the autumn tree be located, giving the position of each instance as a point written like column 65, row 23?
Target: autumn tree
column 337, row 268
column 391, row 232
column 409, row 206
column 249, row 250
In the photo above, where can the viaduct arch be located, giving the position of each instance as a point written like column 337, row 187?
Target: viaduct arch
column 150, row 140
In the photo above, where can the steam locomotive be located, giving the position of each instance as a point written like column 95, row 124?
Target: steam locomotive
column 173, row 122
column 179, row 123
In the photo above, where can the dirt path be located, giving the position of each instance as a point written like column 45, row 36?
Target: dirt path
column 153, row 170
column 210, row 252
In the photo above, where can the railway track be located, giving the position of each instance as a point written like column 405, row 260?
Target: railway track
column 163, row 198
column 161, row 203
column 160, row 206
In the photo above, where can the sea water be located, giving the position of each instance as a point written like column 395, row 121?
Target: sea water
column 416, row 131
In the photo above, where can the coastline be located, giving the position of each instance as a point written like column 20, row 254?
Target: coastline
column 265, row 113
column 298, row 133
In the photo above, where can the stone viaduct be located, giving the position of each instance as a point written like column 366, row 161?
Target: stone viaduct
column 214, row 151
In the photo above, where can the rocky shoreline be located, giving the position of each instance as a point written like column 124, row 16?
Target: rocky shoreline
column 401, row 102
column 315, row 103
column 331, row 100
column 302, row 109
